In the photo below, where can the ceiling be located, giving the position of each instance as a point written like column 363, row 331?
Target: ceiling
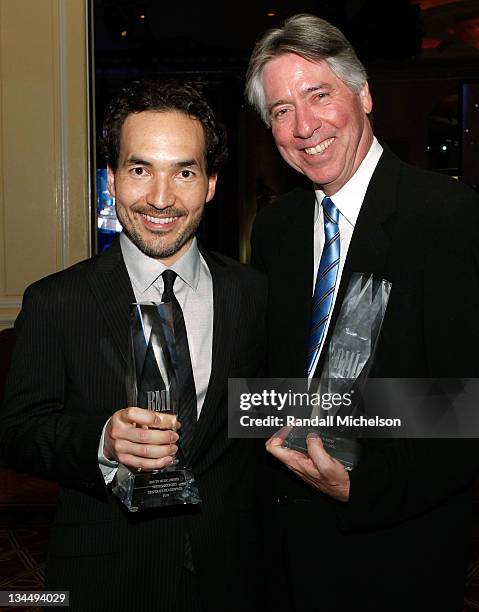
column 451, row 27
column 377, row 28
column 422, row 37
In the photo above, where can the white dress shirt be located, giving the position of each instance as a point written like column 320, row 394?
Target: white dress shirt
column 194, row 291
column 348, row 200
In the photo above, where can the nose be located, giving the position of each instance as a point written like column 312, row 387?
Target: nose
column 306, row 122
column 160, row 193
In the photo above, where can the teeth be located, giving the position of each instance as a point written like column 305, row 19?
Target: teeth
column 160, row 220
column 320, row 148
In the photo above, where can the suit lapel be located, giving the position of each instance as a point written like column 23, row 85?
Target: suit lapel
column 111, row 286
column 370, row 242
column 369, row 247
column 226, row 307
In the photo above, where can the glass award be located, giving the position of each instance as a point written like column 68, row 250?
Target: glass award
column 153, row 383
column 346, row 368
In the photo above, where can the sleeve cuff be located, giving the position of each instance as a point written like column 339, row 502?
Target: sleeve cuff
column 108, row 468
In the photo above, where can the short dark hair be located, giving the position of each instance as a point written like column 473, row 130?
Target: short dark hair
column 163, row 96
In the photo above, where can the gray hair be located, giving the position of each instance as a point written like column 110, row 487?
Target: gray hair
column 312, row 38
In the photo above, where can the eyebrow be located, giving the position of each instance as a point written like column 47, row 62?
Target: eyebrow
column 134, row 160
column 186, row 163
column 304, row 93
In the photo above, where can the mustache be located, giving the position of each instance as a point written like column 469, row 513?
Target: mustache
column 154, row 212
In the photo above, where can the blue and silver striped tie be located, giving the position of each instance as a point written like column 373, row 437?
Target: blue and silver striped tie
column 325, row 281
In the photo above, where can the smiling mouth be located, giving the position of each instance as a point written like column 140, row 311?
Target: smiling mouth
column 159, row 220
column 320, row 148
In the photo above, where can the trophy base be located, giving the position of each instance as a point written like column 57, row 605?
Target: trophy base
column 171, row 486
column 344, row 450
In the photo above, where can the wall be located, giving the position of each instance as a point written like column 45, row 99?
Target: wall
column 44, row 175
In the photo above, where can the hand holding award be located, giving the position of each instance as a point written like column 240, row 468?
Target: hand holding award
column 346, row 367
column 154, row 385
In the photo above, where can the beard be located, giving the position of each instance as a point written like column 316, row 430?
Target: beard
column 165, row 245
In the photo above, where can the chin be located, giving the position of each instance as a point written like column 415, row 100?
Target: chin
column 322, row 177
column 160, row 250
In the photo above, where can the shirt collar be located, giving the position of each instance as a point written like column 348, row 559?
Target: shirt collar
column 351, row 195
column 144, row 270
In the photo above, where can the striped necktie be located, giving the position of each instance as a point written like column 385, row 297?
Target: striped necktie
column 325, row 281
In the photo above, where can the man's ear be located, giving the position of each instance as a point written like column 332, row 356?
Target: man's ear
column 211, row 187
column 111, row 182
column 366, row 99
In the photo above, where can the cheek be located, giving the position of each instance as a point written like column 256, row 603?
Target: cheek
column 338, row 118
column 352, row 120
column 192, row 196
column 128, row 194
column 281, row 135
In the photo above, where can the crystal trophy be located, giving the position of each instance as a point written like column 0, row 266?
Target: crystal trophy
column 346, row 368
column 153, row 383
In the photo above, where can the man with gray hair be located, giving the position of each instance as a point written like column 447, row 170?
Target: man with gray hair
column 390, row 535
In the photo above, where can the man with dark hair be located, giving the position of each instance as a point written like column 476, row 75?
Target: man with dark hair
column 65, row 415
column 392, row 534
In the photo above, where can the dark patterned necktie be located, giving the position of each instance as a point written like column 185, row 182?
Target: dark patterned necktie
column 325, row 281
column 187, row 407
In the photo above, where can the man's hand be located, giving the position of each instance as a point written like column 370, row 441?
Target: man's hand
column 317, row 468
column 141, row 438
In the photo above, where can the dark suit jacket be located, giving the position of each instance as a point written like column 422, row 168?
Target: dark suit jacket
column 66, row 380
column 400, row 543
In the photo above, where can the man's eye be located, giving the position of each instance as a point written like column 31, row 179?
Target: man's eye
column 280, row 113
column 138, row 171
column 186, row 173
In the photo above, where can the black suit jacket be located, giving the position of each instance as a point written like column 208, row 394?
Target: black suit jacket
column 400, row 543
column 68, row 377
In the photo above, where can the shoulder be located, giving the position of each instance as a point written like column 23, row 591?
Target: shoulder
column 58, row 280
column 285, row 205
column 431, row 189
column 68, row 284
column 444, row 201
column 245, row 275
column 434, row 183
column 433, row 200
column 275, row 219
column 250, row 285
column 445, row 213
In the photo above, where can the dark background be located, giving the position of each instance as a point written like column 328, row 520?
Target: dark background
column 422, row 59
column 423, row 64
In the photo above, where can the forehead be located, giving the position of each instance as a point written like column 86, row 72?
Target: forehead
column 162, row 132
column 290, row 74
